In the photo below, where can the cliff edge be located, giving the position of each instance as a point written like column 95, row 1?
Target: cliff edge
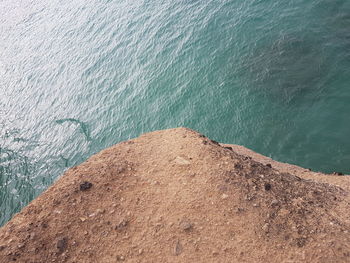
column 177, row 196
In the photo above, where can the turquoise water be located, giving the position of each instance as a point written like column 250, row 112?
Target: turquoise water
column 78, row 76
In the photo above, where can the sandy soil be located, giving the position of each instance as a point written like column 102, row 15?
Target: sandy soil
column 177, row 196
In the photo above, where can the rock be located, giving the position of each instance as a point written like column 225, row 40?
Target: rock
column 186, row 226
column 122, row 224
column 32, row 236
column 120, row 258
column 267, row 187
column 177, row 248
column 338, row 173
column 238, row 166
column 266, row 227
column 269, row 165
column 100, row 211
column 182, row 161
column 240, row 210
column 62, row 244
column 224, row 196
column 85, row 186
column 149, row 214
column 120, row 170
column 20, row 246
column 214, row 142
column 274, row 203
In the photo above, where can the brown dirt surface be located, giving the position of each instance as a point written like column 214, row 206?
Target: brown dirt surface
column 177, row 196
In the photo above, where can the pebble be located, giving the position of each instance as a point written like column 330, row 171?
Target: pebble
column 186, row 226
column 266, row 227
column 267, row 187
column 20, row 246
column 32, row 236
column 100, row 211
column 182, row 161
column 122, row 224
column 85, row 186
column 240, row 209
column 274, row 202
column 120, row 258
column 224, row 196
column 62, row 244
column 177, row 248
column 338, row 173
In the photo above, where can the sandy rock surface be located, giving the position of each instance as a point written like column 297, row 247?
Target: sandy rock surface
column 177, row 196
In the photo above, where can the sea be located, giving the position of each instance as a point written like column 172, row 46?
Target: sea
column 78, row 76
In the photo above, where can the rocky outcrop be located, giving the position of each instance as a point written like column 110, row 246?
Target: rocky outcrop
column 177, row 196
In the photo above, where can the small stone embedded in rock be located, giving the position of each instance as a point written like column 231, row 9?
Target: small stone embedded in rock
column 186, row 226
column 177, row 248
column 62, row 244
column 100, row 211
column 274, row 203
column 238, row 166
column 121, row 225
column 267, row 187
column 120, row 258
column 85, row 186
column 182, row 161
column 266, row 227
column 120, row 170
column 224, row 196
column 240, row 210
column 214, row 142
column 21, row 246
column 32, row 236
column 338, row 173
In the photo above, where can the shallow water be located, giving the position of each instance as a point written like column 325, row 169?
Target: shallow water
column 79, row 76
